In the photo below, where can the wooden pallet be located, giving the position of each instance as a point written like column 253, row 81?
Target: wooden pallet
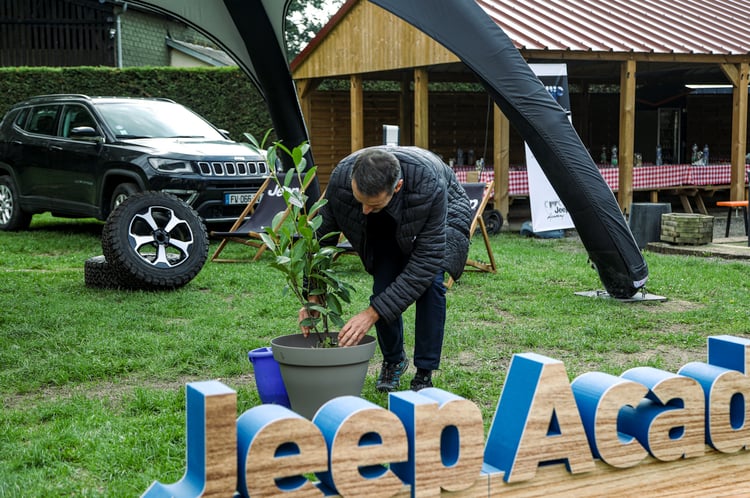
column 687, row 228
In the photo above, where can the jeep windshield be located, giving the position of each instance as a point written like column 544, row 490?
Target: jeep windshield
column 155, row 119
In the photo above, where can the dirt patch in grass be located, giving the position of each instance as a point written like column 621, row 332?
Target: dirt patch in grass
column 113, row 391
column 673, row 306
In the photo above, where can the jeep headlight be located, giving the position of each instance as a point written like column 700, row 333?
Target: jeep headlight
column 165, row 165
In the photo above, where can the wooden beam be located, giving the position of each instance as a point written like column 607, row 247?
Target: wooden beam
column 307, row 86
column 627, row 134
column 501, row 162
column 732, row 73
column 738, row 75
column 404, row 111
column 421, row 109
column 356, row 100
column 304, row 92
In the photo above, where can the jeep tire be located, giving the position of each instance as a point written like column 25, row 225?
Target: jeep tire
column 12, row 217
column 120, row 193
column 154, row 240
column 98, row 274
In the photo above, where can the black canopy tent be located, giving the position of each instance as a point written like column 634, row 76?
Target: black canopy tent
column 252, row 33
column 544, row 125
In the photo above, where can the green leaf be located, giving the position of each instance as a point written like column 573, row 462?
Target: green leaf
column 283, row 260
column 318, row 308
column 265, row 137
column 309, row 176
column 271, row 157
column 267, row 240
column 295, row 197
column 288, row 179
column 338, row 322
column 250, row 138
column 334, row 304
column 277, row 219
column 318, row 204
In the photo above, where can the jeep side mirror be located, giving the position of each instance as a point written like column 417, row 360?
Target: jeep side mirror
column 84, row 133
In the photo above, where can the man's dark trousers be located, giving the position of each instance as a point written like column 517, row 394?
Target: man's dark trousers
column 430, row 312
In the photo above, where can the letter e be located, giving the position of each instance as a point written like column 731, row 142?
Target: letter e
column 361, row 437
column 275, row 447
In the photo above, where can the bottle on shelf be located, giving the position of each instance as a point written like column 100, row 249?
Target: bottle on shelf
column 659, row 160
column 603, row 155
column 705, row 155
column 694, row 155
column 614, row 155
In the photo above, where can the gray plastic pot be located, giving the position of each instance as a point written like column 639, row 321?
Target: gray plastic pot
column 313, row 375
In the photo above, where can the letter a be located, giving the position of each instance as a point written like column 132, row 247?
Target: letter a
column 537, row 420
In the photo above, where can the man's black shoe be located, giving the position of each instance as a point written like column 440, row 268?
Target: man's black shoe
column 421, row 380
column 390, row 375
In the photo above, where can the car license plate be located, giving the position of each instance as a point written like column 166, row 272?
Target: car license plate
column 239, row 198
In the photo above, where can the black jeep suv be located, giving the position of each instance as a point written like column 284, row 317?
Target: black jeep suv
column 79, row 157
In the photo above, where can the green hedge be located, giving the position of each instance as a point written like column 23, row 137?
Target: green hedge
column 224, row 96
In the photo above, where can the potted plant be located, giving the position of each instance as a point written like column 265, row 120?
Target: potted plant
column 314, row 369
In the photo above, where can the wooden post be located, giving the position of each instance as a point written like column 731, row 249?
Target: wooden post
column 501, row 162
column 738, row 75
column 421, row 109
column 304, row 90
column 627, row 134
column 356, row 100
column 404, row 111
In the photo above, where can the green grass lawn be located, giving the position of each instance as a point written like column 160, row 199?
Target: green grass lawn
column 93, row 381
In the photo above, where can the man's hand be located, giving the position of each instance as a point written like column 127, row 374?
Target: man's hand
column 356, row 328
column 303, row 314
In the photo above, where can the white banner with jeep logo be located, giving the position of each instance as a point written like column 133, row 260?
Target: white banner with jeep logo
column 547, row 210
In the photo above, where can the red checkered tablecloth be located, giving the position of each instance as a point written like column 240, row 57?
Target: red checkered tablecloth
column 644, row 177
column 713, row 174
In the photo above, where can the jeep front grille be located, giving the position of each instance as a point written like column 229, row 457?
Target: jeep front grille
column 230, row 168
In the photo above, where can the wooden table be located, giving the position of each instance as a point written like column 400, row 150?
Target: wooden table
column 687, row 180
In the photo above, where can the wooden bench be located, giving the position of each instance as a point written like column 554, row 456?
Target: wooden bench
column 730, row 205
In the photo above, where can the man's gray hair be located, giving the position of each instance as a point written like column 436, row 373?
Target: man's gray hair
column 376, row 171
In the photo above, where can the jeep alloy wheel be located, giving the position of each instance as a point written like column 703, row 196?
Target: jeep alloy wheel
column 11, row 215
column 154, row 240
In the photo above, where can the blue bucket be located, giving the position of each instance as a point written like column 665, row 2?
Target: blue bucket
column 268, row 377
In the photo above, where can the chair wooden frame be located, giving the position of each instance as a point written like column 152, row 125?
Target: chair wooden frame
column 478, row 220
column 249, row 237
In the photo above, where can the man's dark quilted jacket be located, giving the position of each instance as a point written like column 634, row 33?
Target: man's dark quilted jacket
column 432, row 214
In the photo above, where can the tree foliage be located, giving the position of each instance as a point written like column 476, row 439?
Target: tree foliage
column 304, row 19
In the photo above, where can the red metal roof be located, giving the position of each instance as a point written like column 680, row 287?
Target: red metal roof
column 644, row 26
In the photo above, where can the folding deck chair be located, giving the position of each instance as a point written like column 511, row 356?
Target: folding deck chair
column 257, row 215
column 479, row 196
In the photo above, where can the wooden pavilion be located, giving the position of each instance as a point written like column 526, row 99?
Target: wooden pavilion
column 626, row 59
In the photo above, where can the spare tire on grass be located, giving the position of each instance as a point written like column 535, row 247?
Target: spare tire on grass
column 154, row 240
column 97, row 273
